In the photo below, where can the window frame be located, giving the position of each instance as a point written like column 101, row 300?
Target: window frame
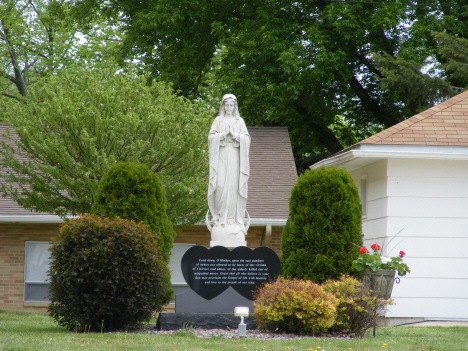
column 26, row 282
column 363, row 195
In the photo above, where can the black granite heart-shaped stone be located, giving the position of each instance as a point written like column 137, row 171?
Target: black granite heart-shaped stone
column 211, row 271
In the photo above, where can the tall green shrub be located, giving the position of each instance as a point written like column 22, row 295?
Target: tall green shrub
column 106, row 274
column 131, row 191
column 323, row 233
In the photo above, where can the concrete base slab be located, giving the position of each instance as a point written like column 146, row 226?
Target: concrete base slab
column 177, row 321
column 420, row 322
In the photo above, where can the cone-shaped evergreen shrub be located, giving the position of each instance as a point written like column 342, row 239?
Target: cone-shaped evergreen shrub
column 323, row 233
column 131, row 191
column 106, row 274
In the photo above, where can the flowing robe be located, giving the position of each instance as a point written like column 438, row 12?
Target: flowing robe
column 229, row 170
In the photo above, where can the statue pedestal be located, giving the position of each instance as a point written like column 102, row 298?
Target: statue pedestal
column 228, row 244
column 229, row 235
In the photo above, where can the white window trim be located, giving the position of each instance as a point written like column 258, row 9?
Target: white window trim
column 179, row 282
column 363, row 195
column 32, row 282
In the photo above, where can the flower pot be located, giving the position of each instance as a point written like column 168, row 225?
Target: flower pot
column 380, row 282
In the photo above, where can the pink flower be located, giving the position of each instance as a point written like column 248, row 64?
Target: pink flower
column 375, row 247
column 402, row 254
column 363, row 250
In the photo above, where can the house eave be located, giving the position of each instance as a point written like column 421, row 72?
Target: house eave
column 31, row 219
column 363, row 154
column 56, row 219
column 260, row 222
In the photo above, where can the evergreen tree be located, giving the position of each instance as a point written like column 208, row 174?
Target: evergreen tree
column 323, row 233
column 130, row 191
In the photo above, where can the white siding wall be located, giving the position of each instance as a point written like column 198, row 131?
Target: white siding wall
column 374, row 225
column 428, row 201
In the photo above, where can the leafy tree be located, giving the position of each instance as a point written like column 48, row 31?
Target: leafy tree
column 74, row 125
column 106, row 274
column 293, row 63
column 131, row 191
column 323, row 233
column 38, row 37
column 447, row 74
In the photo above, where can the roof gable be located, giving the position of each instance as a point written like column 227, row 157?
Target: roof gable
column 443, row 124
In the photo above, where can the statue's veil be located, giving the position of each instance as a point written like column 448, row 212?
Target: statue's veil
column 221, row 108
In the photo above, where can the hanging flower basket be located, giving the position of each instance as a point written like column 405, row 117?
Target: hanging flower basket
column 380, row 281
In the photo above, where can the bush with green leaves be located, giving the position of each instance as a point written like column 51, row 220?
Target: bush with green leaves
column 357, row 307
column 296, row 306
column 323, row 233
column 74, row 125
column 106, row 274
column 131, row 191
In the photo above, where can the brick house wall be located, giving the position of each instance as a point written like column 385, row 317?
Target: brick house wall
column 12, row 255
column 199, row 235
column 12, row 251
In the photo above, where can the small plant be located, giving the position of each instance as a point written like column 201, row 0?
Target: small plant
column 357, row 306
column 296, row 306
column 376, row 261
column 106, row 275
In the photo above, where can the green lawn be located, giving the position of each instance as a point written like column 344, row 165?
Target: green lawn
column 24, row 331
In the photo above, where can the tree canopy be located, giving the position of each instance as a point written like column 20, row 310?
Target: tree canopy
column 74, row 125
column 38, row 37
column 300, row 64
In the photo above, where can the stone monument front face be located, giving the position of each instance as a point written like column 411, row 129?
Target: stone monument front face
column 229, row 145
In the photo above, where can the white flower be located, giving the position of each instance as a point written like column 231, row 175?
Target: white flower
column 385, row 259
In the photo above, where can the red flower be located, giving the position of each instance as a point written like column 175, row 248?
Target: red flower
column 375, row 247
column 363, row 250
column 402, row 253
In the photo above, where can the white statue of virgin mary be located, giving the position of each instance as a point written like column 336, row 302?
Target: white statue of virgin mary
column 229, row 144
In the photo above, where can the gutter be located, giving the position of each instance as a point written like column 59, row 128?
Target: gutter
column 32, row 218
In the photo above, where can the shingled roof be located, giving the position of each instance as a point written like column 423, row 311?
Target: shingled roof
column 272, row 173
column 443, row 124
column 272, row 176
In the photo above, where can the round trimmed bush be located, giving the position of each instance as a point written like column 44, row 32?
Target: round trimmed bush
column 295, row 306
column 323, row 233
column 357, row 306
column 106, row 274
column 131, row 191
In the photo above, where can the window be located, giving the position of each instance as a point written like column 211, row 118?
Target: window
column 36, row 265
column 363, row 194
column 178, row 282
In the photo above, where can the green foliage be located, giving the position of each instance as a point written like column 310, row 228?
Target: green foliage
column 39, row 37
column 323, row 233
column 356, row 308
column 78, row 123
column 106, row 274
column 130, row 191
column 296, row 63
column 454, row 53
column 405, row 79
column 295, row 306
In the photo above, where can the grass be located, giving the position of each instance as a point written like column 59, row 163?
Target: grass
column 25, row 331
